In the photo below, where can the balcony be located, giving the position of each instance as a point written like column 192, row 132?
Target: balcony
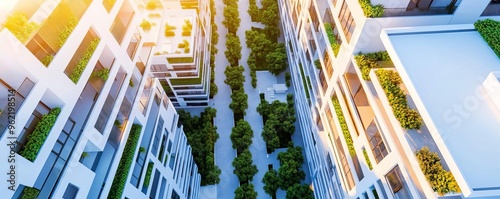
column 397, row 12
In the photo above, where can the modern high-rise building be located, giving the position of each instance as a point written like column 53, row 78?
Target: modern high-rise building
column 360, row 142
column 78, row 99
column 181, row 57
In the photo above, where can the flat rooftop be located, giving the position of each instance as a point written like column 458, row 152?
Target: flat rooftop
column 444, row 69
column 176, row 18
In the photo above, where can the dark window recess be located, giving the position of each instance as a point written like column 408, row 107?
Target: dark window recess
column 71, row 192
column 396, row 183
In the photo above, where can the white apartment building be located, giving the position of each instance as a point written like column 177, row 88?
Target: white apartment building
column 380, row 161
column 181, row 57
column 116, row 134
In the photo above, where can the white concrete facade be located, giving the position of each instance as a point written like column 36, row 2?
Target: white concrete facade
column 334, row 172
column 81, row 153
column 184, row 71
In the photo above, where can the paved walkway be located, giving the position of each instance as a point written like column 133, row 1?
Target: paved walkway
column 224, row 153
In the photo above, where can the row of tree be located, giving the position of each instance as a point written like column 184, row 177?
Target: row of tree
column 279, row 119
column 267, row 53
column 213, row 49
column 288, row 176
column 242, row 134
column 202, row 135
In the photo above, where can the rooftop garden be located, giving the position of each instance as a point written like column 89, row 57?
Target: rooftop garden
column 390, row 82
column 123, row 169
column 332, row 39
column 372, row 10
column 368, row 61
column 37, row 138
column 490, row 31
column 177, row 60
column 441, row 181
column 343, row 126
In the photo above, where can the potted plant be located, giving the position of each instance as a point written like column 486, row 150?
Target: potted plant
column 142, row 149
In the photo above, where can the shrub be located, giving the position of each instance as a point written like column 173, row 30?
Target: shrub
column 102, row 73
column 368, row 162
column 169, row 30
column 187, row 33
column 331, row 37
column 441, row 181
column 147, row 177
column 66, row 31
column 19, row 26
column 343, row 126
column 123, row 169
column 145, row 25
column 372, row 10
column 490, row 31
column 151, row 5
column 30, row 193
column 84, row 60
column 37, row 138
column 408, row 118
column 47, row 59
column 317, row 63
column 186, row 50
column 253, row 75
column 131, row 83
column 368, row 61
column 154, row 15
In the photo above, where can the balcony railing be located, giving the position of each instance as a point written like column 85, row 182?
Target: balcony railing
column 396, row 12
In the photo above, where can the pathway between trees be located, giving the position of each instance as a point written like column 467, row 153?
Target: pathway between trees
column 224, row 152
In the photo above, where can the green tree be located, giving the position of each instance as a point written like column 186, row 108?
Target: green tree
column 277, row 60
column 245, row 191
column 290, row 171
column 243, row 167
column 19, row 26
column 271, row 182
column 264, row 108
column 241, row 135
column 270, row 135
column 234, row 77
column 233, row 52
column 239, row 102
column 298, row 191
column 231, row 18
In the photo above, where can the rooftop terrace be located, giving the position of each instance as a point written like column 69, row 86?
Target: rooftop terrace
column 444, row 69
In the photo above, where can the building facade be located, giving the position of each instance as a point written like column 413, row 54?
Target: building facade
column 90, row 120
column 181, row 57
column 354, row 146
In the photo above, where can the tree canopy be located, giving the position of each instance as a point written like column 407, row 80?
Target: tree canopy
column 271, row 182
column 239, row 101
column 241, row 135
column 243, row 167
column 245, row 191
column 234, row 77
column 233, row 52
column 298, row 191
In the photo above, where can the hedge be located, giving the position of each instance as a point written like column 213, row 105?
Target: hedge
column 180, row 60
column 66, row 31
column 145, row 25
column 30, row 193
column 37, row 138
column 147, row 178
column 84, row 60
column 368, row 61
column 372, row 10
column 367, row 159
column 490, row 31
column 343, row 126
column 332, row 39
column 441, row 181
column 390, row 81
column 122, row 171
